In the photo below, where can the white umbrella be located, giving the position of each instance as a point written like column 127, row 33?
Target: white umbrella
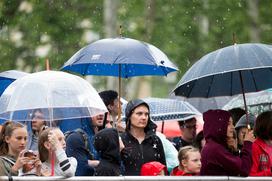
column 58, row 95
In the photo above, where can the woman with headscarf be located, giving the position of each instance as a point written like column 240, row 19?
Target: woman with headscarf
column 140, row 141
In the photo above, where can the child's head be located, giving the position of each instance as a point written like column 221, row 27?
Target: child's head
column 13, row 138
column 189, row 159
column 153, row 169
column 44, row 146
column 263, row 126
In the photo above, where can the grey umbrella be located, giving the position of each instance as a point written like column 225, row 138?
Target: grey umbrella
column 232, row 70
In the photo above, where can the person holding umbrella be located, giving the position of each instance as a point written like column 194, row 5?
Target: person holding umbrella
column 216, row 159
column 140, row 141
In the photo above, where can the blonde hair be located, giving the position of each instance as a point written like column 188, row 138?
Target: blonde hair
column 183, row 153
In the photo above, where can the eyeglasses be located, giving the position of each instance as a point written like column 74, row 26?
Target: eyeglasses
column 189, row 126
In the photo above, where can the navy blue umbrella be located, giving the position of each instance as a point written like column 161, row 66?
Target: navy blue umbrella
column 120, row 57
column 7, row 77
column 232, row 70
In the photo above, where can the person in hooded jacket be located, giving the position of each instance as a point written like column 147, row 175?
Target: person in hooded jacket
column 106, row 143
column 153, row 169
column 140, row 141
column 215, row 157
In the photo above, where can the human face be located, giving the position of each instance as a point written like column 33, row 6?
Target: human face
column 241, row 135
column 98, row 120
column 113, row 108
column 192, row 164
column 17, row 141
column 230, row 128
column 139, row 117
column 109, row 122
column 37, row 121
column 61, row 138
column 189, row 130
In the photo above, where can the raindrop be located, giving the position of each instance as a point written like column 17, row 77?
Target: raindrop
column 229, row 9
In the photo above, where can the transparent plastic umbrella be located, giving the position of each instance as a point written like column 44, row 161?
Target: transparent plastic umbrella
column 58, row 95
column 163, row 109
column 256, row 102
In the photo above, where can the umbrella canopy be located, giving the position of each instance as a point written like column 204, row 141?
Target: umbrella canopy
column 8, row 77
column 221, row 72
column 58, row 95
column 163, row 109
column 120, row 57
column 257, row 102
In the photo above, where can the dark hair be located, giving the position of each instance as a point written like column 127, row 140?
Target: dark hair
column 263, row 125
column 32, row 115
column 197, row 142
column 7, row 130
column 108, row 96
column 181, row 123
column 236, row 114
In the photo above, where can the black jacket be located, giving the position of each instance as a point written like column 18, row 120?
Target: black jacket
column 106, row 142
column 134, row 155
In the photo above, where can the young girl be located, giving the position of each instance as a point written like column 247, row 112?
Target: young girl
column 52, row 140
column 189, row 162
column 262, row 147
column 13, row 140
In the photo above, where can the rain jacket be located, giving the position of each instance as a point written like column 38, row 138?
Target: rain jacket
column 261, row 159
column 106, row 142
column 215, row 158
column 134, row 155
column 6, row 163
column 75, row 147
column 153, row 169
column 178, row 172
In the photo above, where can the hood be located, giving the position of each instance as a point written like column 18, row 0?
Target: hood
column 130, row 107
column 106, row 143
column 215, row 125
column 243, row 122
column 152, row 169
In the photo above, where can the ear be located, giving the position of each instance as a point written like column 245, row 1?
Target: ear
column 47, row 145
column 7, row 138
column 184, row 162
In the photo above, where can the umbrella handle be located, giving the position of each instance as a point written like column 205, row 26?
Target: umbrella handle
column 52, row 163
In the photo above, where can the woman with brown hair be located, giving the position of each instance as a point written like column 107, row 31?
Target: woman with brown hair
column 13, row 140
column 52, row 140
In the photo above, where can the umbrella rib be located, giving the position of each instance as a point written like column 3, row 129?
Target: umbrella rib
column 255, row 84
column 210, row 87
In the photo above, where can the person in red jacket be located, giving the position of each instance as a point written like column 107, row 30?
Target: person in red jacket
column 189, row 162
column 262, row 147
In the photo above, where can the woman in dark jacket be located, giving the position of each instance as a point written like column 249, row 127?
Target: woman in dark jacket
column 215, row 157
column 106, row 143
column 141, row 143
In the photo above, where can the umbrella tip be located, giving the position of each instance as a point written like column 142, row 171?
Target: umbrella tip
column 120, row 31
column 234, row 38
column 47, row 64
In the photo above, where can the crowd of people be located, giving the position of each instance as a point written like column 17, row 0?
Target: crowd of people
column 100, row 146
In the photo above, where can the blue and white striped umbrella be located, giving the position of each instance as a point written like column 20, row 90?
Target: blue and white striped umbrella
column 164, row 109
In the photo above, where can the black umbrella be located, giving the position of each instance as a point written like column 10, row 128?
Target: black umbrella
column 232, row 70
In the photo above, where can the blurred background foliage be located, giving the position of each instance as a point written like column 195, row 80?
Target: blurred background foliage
column 34, row 30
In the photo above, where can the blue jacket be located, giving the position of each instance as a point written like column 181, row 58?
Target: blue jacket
column 75, row 147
